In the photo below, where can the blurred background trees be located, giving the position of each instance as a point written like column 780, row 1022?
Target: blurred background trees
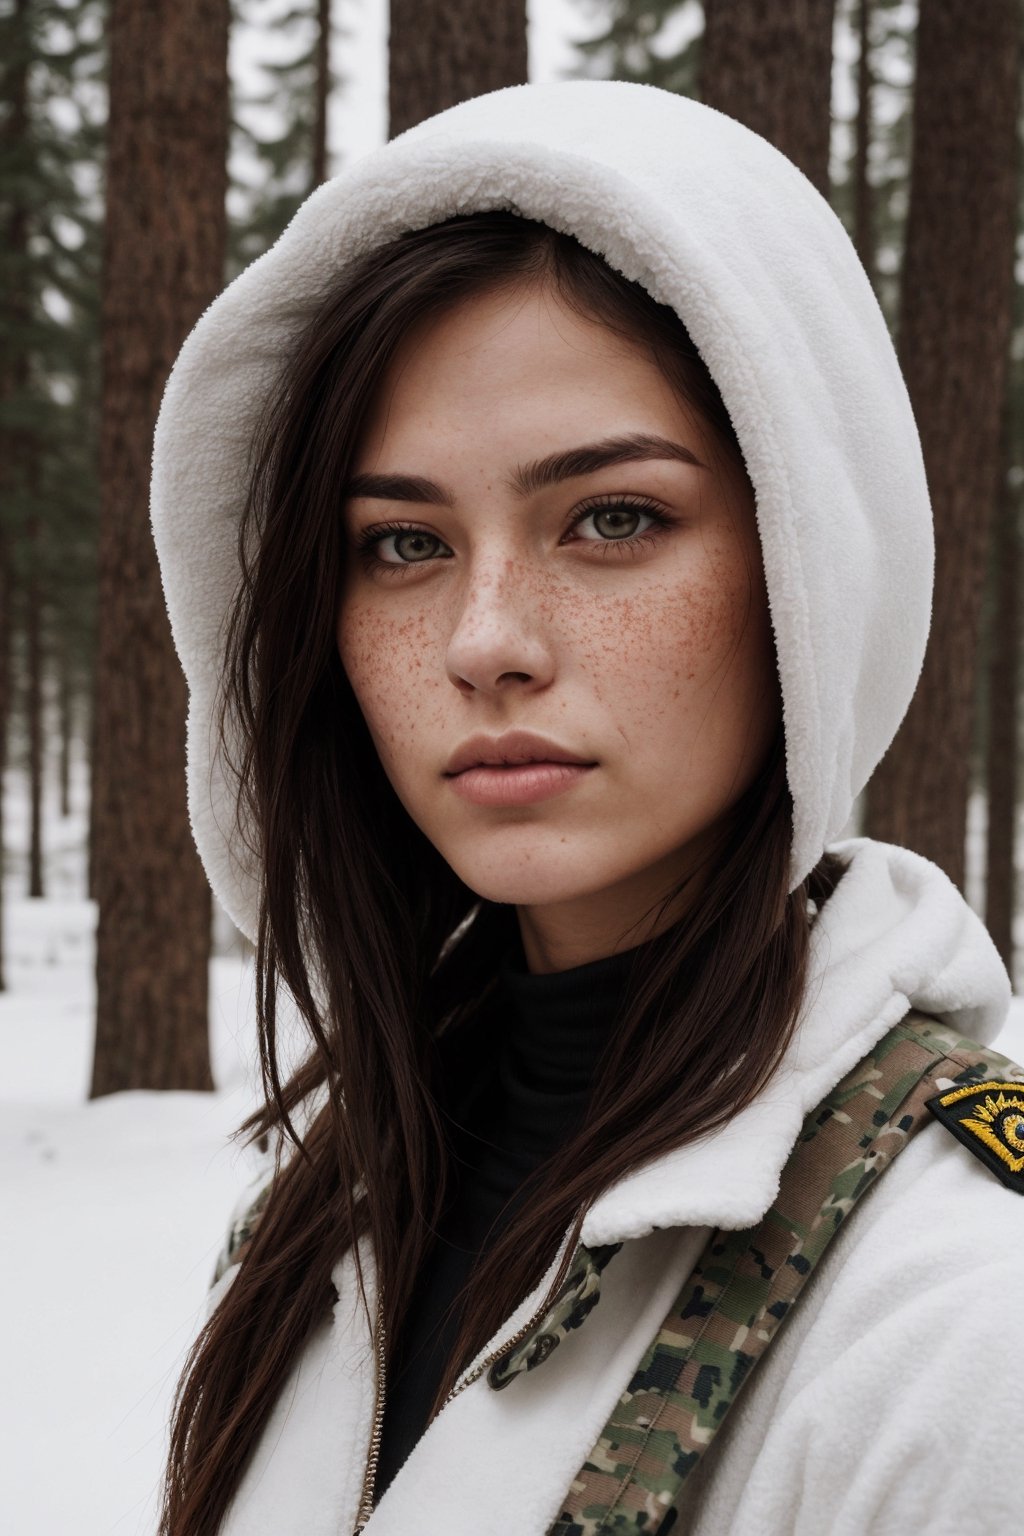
column 954, row 336
column 443, row 51
column 907, row 116
column 51, row 155
column 279, row 128
column 770, row 66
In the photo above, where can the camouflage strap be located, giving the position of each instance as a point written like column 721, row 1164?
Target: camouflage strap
column 745, row 1284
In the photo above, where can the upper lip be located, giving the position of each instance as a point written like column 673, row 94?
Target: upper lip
column 513, row 747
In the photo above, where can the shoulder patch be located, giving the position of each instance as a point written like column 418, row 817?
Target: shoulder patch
column 989, row 1119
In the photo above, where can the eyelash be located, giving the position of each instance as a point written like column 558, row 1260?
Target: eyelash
column 374, row 535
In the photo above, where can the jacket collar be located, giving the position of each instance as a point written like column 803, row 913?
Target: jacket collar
column 895, row 935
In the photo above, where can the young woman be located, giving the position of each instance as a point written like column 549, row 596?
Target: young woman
column 547, row 546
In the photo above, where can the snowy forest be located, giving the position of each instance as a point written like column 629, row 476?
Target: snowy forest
column 148, row 153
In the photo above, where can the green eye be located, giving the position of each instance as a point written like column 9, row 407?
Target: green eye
column 402, row 534
column 616, row 523
column 415, row 546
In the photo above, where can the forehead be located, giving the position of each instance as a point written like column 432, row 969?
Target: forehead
column 517, row 361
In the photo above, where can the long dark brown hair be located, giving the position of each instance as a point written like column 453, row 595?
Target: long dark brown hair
column 380, row 945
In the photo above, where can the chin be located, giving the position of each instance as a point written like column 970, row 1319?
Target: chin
column 537, row 876
column 521, row 893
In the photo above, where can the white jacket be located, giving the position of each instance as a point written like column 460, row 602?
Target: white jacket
column 889, row 1404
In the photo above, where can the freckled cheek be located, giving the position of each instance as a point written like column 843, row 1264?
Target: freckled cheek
column 676, row 637
column 385, row 661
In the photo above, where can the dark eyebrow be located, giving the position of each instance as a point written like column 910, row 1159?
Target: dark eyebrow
column 593, row 456
column 527, row 478
column 397, row 488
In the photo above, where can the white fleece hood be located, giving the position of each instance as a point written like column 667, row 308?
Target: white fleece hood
column 711, row 220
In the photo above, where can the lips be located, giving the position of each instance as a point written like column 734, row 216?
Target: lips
column 515, row 747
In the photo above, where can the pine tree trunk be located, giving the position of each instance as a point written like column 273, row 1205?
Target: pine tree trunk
column 6, row 592
column 444, row 51
column 34, row 695
column 90, row 873
column 1004, row 684
column 163, row 263
column 13, row 380
column 64, row 725
column 770, row 66
column 322, row 91
column 863, row 205
column 956, row 306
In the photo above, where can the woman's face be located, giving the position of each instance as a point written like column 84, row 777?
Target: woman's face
column 568, row 573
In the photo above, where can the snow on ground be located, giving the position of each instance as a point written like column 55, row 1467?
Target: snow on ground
column 112, row 1213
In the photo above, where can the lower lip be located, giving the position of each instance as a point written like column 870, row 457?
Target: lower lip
column 518, row 786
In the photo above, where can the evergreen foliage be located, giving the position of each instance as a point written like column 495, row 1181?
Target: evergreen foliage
column 652, row 42
column 891, row 35
column 273, row 129
column 53, row 102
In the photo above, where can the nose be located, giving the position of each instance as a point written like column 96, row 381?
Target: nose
column 497, row 638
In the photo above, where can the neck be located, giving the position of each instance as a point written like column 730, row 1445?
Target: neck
column 557, row 936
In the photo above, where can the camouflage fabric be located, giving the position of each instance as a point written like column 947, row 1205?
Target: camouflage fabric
column 577, row 1297
column 746, row 1283
column 240, row 1233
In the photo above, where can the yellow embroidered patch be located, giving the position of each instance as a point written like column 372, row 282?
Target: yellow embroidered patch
column 988, row 1118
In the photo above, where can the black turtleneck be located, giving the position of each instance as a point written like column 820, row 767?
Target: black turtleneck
column 539, row 1037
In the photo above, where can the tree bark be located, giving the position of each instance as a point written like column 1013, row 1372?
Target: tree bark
column 770, row 67
column 863, row 202
column 164, row 245
column 90, row 874
column 64, row 725
column 34, row 694
column 323, row 90
column 14, row 449
column 6, row 592
column 1003, row 690
column 956, row 308
column 444, row 51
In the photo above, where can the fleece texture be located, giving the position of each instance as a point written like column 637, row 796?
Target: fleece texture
column 887, row 1404
column 711, row 220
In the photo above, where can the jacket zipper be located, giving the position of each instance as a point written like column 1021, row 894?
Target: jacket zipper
column 477, row 1371
column 366, row 1499
column 373, row 1455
